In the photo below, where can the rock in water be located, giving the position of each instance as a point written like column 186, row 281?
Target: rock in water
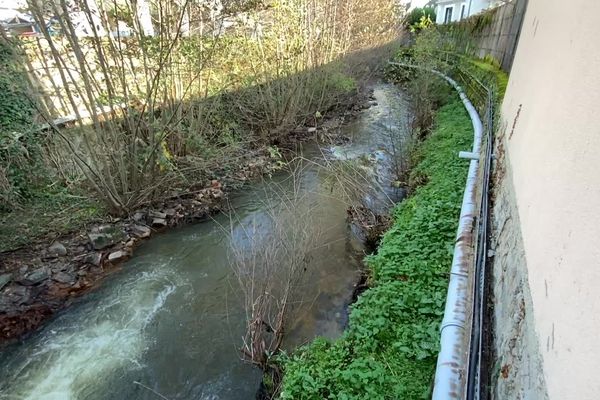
column 159, row 222
column 116, row 256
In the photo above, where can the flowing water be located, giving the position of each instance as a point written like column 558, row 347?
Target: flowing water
column 170, row 322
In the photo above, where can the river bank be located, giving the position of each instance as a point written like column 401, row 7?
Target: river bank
column 390, row 346
column 45, row 276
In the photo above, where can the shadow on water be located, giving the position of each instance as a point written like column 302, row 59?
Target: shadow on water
column 172, row 318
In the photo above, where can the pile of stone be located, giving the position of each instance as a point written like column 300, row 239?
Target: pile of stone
column 35, row 285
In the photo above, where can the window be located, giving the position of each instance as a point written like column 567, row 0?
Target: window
column 448, row 14
column 463, row 11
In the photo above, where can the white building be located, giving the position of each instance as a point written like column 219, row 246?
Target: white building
column 412, row 4
column 447, row 11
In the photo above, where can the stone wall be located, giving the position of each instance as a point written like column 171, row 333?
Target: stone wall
column 517, row 371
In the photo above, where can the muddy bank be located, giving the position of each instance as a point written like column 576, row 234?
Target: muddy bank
column 45, row 277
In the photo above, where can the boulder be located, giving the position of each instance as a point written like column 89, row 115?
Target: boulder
column 35, row 277
column 106, row 236
column 141, row 231
column 18, row 294
column 63, row 277
column 139, row 216
column 170, row 212
column 6, row 305
column 58, row 268
column 4, row 279
column 117, row 255
column 159, row 222
column 157, row 214
column 94, row 259
column 57, row 249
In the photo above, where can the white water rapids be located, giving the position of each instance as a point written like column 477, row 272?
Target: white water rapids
column 111, row 337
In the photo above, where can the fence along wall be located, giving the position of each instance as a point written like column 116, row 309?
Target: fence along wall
column 494, row 33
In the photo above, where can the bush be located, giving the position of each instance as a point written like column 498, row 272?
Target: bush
column 416, row 16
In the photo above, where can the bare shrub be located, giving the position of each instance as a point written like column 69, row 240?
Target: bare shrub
column 185, row 75
column 270, row 257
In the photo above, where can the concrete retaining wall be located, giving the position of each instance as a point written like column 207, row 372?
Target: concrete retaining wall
column 500, row 38
column 495, row 32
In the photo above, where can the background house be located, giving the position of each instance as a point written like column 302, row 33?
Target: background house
column 13, row 20
column 455, row 10
column 17, row 24
column 412, row 4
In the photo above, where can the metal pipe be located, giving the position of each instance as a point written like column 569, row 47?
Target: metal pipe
column 453, row 360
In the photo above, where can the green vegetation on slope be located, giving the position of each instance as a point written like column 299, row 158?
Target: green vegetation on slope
column 490, row 68
column 32, row 202
column 390, row 348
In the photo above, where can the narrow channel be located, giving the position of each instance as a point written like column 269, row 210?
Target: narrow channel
column 170, row 321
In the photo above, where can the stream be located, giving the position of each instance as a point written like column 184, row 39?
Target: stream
column 170, row 322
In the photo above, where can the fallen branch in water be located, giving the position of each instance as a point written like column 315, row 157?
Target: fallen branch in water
column 150, row 389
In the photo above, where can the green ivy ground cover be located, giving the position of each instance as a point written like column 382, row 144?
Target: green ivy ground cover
column 390, row 348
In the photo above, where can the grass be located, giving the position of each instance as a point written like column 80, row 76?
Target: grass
column 490, row 68
column 48, row 215
column 390, row 348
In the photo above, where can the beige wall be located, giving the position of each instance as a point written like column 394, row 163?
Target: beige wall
column 554, row 159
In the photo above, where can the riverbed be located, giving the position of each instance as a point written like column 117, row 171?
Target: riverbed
column 170, row 322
